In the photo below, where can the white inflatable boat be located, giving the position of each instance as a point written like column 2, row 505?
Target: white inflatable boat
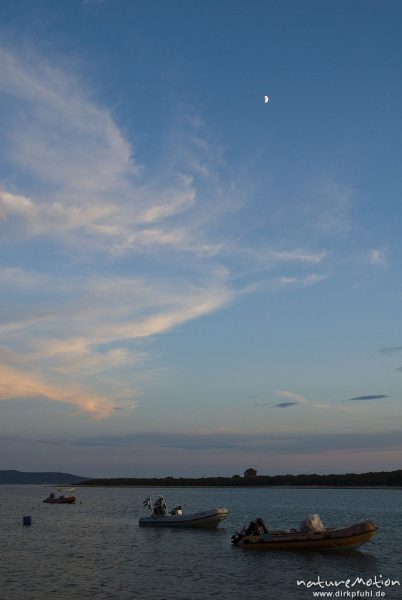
column 160, row 516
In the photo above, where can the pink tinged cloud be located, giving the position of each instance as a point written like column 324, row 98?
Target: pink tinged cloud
column 16, row 384
column 92, row 176
column 290, row 396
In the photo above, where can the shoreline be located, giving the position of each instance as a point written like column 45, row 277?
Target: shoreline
column 308, row 487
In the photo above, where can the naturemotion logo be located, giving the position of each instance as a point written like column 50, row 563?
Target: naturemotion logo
column 347, row 588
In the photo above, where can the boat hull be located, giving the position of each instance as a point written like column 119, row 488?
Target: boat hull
column 208, row 519
column 345, row 538
column 68, row 500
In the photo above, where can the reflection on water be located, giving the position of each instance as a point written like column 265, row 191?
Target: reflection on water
column 341, row 563
column 97, row 551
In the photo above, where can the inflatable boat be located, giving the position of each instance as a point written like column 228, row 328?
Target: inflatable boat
column 160, row 516
column 258, row 537
column 60, row 500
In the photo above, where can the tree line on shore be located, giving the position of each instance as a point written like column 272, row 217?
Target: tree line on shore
column 371, row 479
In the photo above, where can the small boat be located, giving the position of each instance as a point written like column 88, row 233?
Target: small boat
column 160, row 516
column 66, row 489
column 51, row 499
column 257, row 537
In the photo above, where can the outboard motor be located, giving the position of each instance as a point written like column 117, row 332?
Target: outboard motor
column 262, row 528
column 236, row 537
column 256, row 527
column 160, row 507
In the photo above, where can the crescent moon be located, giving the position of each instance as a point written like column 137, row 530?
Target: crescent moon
column 266, row 99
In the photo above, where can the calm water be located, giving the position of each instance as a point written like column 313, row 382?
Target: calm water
column 95, row 550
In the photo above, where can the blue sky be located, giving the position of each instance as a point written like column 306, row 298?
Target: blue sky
column 195, row 281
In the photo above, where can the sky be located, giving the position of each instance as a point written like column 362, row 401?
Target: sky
column 194, row 281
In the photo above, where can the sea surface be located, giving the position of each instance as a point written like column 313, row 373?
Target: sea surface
column 95, row 550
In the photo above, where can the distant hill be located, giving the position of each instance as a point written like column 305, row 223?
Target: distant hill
column 46, row 478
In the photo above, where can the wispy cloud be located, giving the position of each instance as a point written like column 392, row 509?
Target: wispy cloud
column 93, row 192
column 81, row 337
column 96, row 4
column 368, row 397
column 269, row 257
column 329, row 208
column 298, row 399
column 309, row 258
column 391, row 350
column 89, row 196
column 81, row 187
column 17, row 384
column 285, row 282
column 127, row 406
column 294, row 400
column 290, row 395
column 273, row 442
column 92, row 182
column 378, row 258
